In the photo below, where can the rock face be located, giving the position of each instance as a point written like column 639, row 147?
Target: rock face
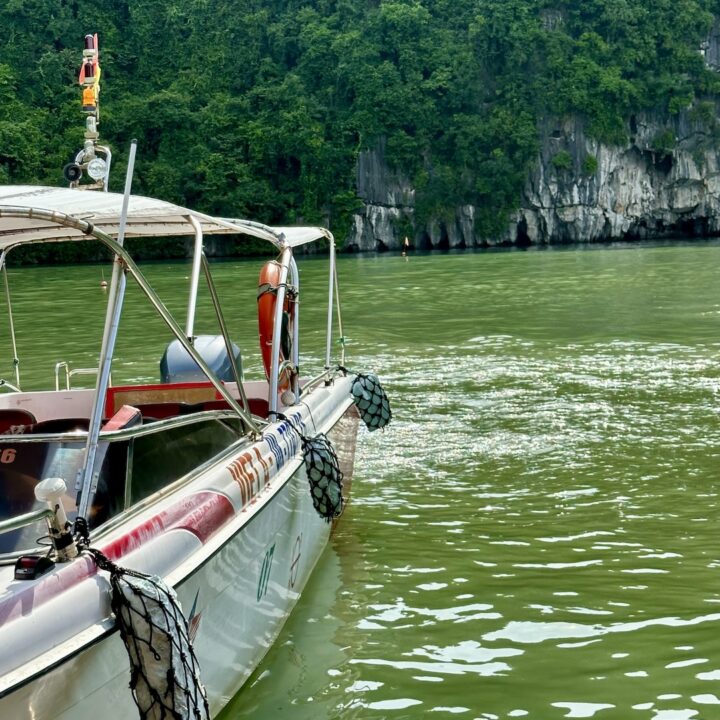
column 388, row 204
column 665, row 182
column 711, row 48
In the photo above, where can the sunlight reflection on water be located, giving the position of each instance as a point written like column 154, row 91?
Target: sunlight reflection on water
column 534, row 535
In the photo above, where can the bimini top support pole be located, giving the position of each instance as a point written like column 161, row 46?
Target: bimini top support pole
column 341, row 339
column 295, row 282
column 237, row 370
column 88, row 476
column 331, row 292
column 194, row 278
column 285, row 258
column 16, row 359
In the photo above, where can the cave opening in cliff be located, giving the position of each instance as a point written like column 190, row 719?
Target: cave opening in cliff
column 682, row 228
column 444, row 241
column 664, row 163
column 693, row 227
column 657, row 160
column 522, row 239
column 424, row 242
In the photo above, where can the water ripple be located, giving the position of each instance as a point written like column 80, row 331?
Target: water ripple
column 535, row 535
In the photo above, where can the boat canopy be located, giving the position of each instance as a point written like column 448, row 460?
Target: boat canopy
column 45, row 214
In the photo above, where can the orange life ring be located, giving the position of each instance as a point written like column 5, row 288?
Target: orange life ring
column 267, row 299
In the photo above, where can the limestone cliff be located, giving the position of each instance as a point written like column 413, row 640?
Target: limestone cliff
column 665, row 181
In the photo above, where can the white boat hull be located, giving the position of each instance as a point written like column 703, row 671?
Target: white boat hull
column 236, row 585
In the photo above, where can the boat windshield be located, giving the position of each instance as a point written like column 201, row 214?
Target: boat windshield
column 24, row 464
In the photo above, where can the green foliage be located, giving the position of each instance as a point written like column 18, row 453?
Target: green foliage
column 590, row 165
column 260, row 108
column 704, row 112
column 665, row 141
column 58, row 253
column 680, row 101
column 562, row 160
column 20, row 138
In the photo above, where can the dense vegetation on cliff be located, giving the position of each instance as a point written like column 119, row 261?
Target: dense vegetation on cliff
column 259, row 107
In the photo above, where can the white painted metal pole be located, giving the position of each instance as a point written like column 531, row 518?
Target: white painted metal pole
column 285, row 257
column 16, row 359
column 339, row 314
column 194, row 279
column 108, row 162
column 295, row 281
column 331, row 288
column 89, row 477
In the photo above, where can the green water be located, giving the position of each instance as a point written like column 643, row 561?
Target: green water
column 536, row 534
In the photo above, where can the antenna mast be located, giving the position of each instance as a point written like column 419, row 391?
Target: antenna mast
column 94, row 159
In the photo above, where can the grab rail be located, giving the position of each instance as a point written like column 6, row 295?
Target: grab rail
column 57, row 375
column 25, row 520
column 69, row 373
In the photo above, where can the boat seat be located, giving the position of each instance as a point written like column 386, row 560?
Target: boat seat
column 61, row 425
column 16, row 422
column 161, row 410
column 258, row 406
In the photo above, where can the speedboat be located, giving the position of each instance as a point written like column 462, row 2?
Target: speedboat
column 201, row 478
column 155, row 536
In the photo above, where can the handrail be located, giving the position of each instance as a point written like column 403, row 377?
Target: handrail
column 75, row 371
column 21, row 521
column 125, row 433
column 5, row 383
column 62, row 364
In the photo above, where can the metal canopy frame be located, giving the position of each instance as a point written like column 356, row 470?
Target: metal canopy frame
column 40, row 223
column 47, row 214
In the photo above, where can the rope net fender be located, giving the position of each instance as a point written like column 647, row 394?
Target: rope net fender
column 371, row 400
column 322, row 468
column 164, row 671
column 324, row 475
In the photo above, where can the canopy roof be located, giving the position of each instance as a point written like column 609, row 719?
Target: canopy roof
column 46, row 214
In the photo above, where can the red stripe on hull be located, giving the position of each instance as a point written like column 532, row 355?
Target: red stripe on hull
column 202, row 514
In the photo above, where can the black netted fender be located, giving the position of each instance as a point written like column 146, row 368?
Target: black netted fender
column 324, row 475
column 164, row 672
column 371, row 401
